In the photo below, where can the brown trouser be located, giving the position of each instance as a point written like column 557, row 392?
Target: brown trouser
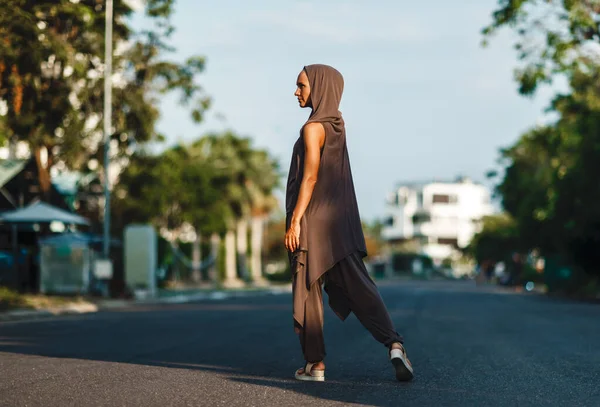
column 350, row 289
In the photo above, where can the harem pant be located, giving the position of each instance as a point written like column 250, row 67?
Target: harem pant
column 350, row 289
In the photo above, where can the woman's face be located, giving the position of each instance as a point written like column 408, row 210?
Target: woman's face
column 303, row 90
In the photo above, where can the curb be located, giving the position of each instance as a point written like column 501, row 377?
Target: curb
column 34, row 314
column 87, row 308
column 214, row 295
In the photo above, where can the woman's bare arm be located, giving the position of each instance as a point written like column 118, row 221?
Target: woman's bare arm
column 314, row 138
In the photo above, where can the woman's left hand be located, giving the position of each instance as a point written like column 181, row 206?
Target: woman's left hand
column 292, row 237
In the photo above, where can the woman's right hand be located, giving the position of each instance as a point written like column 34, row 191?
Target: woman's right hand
column 292, row 237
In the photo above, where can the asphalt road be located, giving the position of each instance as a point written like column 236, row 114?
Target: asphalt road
column 469, row 346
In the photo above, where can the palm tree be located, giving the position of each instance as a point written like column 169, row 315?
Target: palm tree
column 263, row 177
column 222, row 152
column 245, row 178
column 258, row 177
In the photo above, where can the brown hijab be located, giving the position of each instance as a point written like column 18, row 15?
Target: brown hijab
column 327, row 86
column 330, row 229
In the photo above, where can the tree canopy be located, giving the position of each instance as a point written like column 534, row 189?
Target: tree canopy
column 549, row 185
column 554, row 37
column 209, row 184
column 52, row 73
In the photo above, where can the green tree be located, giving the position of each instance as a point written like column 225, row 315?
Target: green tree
column 51, row 78
column 249, row 176
column 575, row 212
column 215, row 184
column 549, row 187
column 498, row 238
column 527, row 188
column 168, row 190
column 263, row 178
column 555, row 37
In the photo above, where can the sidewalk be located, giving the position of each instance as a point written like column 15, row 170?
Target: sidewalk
column 180, row 296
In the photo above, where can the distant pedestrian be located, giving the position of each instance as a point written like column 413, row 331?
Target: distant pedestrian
column 516, row 271
column 500, row 273
column 484, row 271
column 324, row 234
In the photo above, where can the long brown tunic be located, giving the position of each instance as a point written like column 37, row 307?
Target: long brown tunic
column 330, row 229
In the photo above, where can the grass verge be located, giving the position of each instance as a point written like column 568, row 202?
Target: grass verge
column 11, row 299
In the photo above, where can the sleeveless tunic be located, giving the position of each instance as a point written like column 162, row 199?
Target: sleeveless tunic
column 330, row 229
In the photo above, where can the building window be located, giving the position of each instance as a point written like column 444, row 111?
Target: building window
column 389, row 221
column 444, row 199
column 421, row 217
column 448, row 241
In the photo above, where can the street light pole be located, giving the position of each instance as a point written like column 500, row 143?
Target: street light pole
column 107, row 121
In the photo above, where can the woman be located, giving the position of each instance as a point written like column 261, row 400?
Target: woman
column 324, row 235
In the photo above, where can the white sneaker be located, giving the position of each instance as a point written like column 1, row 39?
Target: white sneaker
column 307, row 374
column 404, row 369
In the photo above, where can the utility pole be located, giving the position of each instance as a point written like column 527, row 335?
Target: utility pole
column 107, row 121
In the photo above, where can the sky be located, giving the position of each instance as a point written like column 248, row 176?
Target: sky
column 423, row 100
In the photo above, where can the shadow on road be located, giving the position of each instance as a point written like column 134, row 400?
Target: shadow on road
column 247, row 341
column 250, row 341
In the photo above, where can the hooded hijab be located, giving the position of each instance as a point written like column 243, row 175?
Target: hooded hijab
column 330, row 229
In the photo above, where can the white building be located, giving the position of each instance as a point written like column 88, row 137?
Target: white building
column 441, row 216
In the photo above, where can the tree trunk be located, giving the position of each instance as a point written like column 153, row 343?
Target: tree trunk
column 215, row 242
column 196, row 259
column 242, row 248
column 258, row 223
column 43, row 165
column 231, row 278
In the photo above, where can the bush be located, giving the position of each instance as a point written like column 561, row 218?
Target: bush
column 10, row 299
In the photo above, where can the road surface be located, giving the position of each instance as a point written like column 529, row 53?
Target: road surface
column 469, row 346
